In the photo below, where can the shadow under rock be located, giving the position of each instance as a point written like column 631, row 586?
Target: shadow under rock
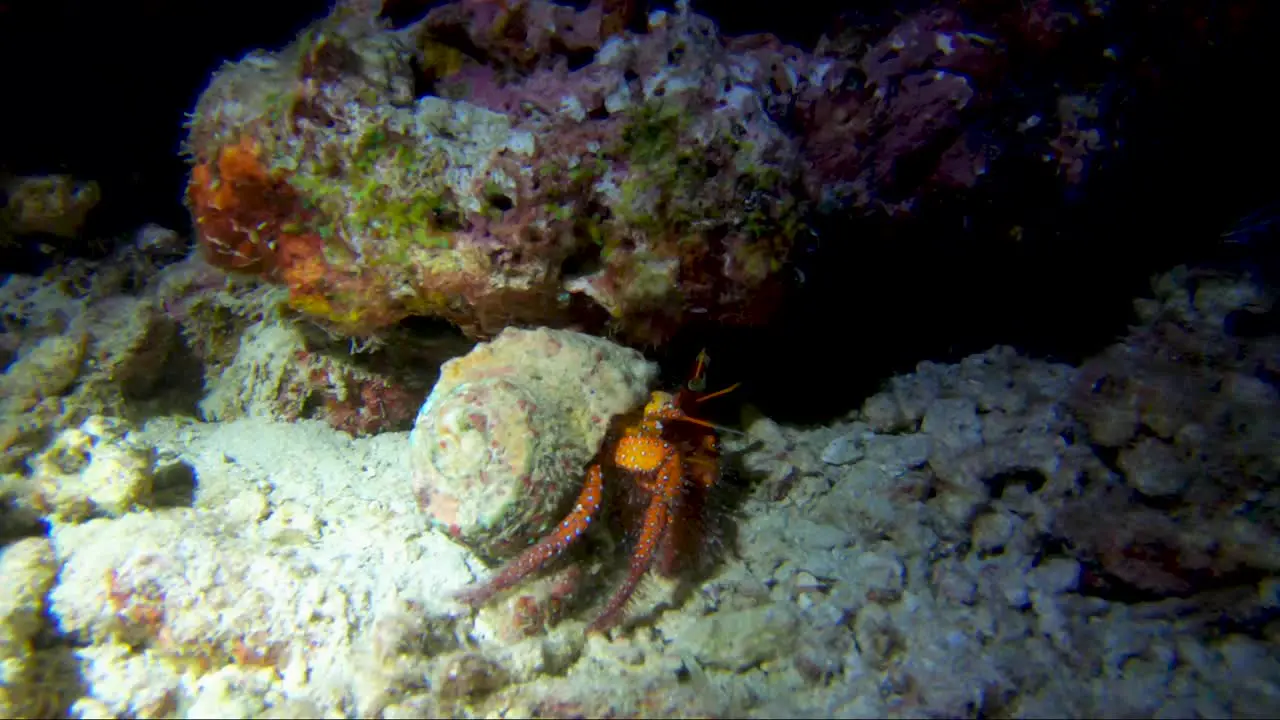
column 174, row 485
column 176, row 390
column 52, row 677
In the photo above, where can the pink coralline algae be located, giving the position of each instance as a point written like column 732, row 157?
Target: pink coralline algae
column 897, row 126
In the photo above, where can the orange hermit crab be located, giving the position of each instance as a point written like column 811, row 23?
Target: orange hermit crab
column 671, row 459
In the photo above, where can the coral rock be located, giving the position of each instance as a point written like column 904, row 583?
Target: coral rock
column 27, row 570
column 93, row 470
column 637, row 193
column 277, row 373
column 500, row 446
column 50, row 204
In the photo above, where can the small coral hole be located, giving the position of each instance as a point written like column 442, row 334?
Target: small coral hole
column 1031, row 480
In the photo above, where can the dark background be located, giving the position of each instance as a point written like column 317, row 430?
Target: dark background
column 98, row 89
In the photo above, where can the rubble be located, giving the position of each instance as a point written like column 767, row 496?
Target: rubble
column 962, row 545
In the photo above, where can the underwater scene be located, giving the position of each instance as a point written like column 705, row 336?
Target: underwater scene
column 622, row 359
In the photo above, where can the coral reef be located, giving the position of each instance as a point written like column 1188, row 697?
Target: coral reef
column 81, row 347
column 939, row 553
column 54, row 205
column 32, row 387
column 90, row 471
column 217, row 608
column 277, row 373
column 186, row 336
column 27, row 572
column 634, row 193
column 257, row 362
column 928, row 104
column 500, row 448
column 999, row 536
column 533, row 163
column 91, row 348
column 892, row 135
column 1186, row 407
column 212, row 504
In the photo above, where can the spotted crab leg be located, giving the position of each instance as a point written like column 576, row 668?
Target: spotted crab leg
column 537, row 557
column 656, row 520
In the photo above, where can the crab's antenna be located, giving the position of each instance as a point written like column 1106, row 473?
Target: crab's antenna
column 713, row 426
column 698, row 380
column 718, row 393
column 729, row 430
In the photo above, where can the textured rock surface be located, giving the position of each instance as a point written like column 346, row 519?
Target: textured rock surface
column 502, row 443
column 981, row 538
column 27, row 571
column 536, row 163
column 83, row 347
column 230, row 587
column 649, row 188
column 49, row 204
column 1190, row 408
column 91, row 471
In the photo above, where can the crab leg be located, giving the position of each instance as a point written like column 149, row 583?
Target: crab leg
column 656, row 519
column 536, row 557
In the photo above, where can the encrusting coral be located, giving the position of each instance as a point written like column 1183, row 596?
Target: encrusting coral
column 623, row 205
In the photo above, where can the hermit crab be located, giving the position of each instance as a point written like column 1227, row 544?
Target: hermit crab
column 667, row 460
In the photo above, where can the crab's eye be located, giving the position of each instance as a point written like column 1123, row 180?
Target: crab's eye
column 698, row 384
